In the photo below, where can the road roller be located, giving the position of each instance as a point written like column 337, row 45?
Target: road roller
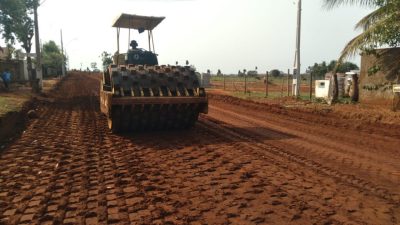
column 138, row 94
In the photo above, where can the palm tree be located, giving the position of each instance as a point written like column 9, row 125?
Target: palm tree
column 380, row 28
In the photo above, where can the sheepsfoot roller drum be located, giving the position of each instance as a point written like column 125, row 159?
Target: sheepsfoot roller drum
column 139, row 98
column 136, row 94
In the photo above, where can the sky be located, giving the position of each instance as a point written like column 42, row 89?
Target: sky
column 229, row 35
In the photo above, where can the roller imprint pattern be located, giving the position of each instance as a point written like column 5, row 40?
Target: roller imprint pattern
column 68, row 168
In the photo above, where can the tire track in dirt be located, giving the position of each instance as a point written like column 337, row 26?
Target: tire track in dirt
column 323, row 147
column 316, row 126
column 265, row 149
column 68, row 168
column 355, row 153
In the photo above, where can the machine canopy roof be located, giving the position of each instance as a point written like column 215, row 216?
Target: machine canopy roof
column 137, row 22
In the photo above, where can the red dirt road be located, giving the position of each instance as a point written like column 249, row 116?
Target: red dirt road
column 243, row 163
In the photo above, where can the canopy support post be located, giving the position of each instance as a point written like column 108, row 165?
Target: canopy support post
column 118, row 32
column 152, row 41
column 129, row 38
column 148, row 35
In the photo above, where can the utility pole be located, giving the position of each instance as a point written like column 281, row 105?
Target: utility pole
column 266, row 84
column 311, row 84
column 298, row 83
column 282, row 84
column 62, row 60
column 288, row 76
column 245, row 83
column 37, row 79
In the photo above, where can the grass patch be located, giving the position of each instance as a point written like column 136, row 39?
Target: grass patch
column 11, row 104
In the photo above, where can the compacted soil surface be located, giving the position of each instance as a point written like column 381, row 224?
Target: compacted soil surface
column 243, row 163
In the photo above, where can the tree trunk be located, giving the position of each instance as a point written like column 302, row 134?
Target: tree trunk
column 29, row 68
column 396, row 97
column 335, row 92
column 355, row 94
column 32, row 75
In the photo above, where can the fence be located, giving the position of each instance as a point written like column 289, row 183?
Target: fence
column 277, row 86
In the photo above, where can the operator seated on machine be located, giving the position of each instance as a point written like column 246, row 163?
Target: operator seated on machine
column 134, row 45
column 139, row 56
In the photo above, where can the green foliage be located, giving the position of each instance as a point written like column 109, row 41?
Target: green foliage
column 388, row 62
column 319, row 70
column 51, row 46
column 16, row 23
column 52, row 55
column 343, row 67
column 17, row 54
column 12, row 104
column 380, row 27
column 106, row 58
column 242, row 74
column 373, row 70
column 275, row 73
column 11, row 51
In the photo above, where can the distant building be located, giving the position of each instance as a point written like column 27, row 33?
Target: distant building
column 17, row 67
column 252, row 73
column 3, row 53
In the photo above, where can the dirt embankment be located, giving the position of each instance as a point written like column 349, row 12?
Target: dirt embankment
column 243, row 163
column 11, row 124
column 14, row 121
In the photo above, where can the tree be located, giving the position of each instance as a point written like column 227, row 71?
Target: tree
column 219, row 73
column 10, row 51
column 319, row 70
column 275, row 73
column 52, row 56
column 240, row 73
column 342, row 67
column 16, row 24
column 18, row 54
column 380, row 28
column 106, row 58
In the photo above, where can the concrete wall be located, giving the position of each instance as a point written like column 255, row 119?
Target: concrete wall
column 376, row 87
column 17, row 68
